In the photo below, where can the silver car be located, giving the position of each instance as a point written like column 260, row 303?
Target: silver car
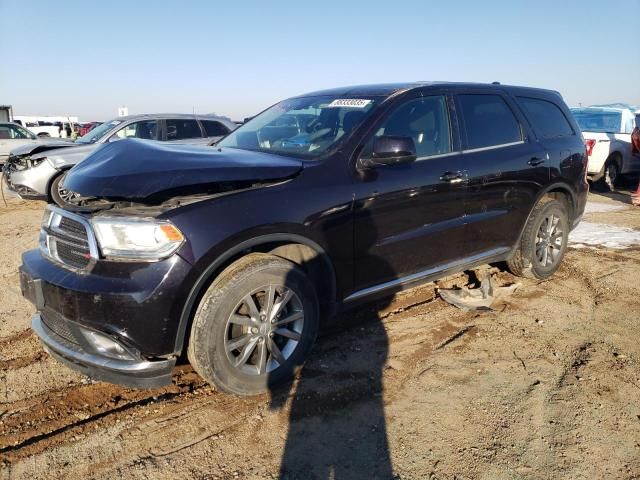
column 36, row 172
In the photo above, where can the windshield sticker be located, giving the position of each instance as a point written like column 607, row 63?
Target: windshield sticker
column 350, row 103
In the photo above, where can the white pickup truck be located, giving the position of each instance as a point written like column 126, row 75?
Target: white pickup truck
column 607, row 134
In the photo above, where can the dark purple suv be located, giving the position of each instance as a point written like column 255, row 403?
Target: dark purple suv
column 234, row 254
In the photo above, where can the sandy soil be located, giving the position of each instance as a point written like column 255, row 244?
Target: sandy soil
column 545, row 386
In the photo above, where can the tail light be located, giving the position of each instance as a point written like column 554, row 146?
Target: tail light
column 590, row 144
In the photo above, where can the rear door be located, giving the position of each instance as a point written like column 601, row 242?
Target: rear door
column 506, row 167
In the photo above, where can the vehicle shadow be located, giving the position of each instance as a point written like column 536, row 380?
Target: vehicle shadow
column 336, row 424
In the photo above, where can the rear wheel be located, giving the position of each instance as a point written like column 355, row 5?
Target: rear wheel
column 611, row 177
column 544, row 241
column 255, row 325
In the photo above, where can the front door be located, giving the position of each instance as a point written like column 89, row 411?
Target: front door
column 410, row 217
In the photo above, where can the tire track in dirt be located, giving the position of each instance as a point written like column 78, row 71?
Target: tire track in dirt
column 38, row 423
column 41, row 422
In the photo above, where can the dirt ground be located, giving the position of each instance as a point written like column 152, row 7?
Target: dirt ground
column 545, row 386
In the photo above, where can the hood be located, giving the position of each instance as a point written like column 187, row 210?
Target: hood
column 40, row 146
column 135, row 169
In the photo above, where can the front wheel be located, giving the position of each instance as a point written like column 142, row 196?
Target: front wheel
column 60, row 195
column 544, row 241
column 254, row 325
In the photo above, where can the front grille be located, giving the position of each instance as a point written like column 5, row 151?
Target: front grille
column 68, row 239
column 74, row 227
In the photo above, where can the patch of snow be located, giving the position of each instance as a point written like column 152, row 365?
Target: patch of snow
column 597, row 207
column 588, row 234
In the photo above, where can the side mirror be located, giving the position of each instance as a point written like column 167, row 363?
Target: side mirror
column 390, row 150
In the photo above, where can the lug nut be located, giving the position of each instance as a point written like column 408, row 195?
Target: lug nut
column 254, row 330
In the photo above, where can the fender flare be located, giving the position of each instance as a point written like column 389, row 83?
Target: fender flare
column 554, row 186
column 214, row 267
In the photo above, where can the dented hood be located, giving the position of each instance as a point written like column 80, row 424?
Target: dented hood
column 136, row 169
column 41, row 146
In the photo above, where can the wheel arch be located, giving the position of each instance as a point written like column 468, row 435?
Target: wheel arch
column 559, row 191
column 299, row 249
column 616, row 156
column 61, row 172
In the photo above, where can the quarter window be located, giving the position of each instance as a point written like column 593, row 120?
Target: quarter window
column 426, row 121
column 180, row 129
column 547, row 119
column 488, row 121
column 214, row 129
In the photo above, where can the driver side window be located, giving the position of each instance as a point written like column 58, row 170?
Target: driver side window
column 146, row 129
column 426, row 121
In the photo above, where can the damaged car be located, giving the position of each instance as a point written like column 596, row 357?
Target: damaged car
column 37, row 171
column 232, row 256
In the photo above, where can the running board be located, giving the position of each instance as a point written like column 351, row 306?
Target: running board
column 430, row 274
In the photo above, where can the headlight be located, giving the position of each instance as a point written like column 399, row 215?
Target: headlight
column 37, row 161
column 132, row 238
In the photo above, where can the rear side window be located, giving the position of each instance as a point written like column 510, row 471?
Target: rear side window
column 547, row 119
column 180, row 129
column 214, row 129
column 488, row 121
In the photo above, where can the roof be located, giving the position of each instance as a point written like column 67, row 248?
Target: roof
column 387, row 89
column 596, row 108
column 166, row 115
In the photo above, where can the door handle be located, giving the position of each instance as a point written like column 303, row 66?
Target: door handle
column 452, row 177
column 538, row 160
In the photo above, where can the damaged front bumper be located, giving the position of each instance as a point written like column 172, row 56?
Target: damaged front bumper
column 117, row 323
column 30, row 183
column 133, row 372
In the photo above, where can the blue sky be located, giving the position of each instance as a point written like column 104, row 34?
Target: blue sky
column 236, row 58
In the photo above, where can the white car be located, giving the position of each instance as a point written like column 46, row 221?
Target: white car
column 607, row 133
column 12, row 136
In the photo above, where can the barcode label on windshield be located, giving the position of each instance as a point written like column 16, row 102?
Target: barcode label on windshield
column 350, row 103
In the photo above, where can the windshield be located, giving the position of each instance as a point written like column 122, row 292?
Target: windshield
column 301, row 127
column 602, row 121
column 97, row 133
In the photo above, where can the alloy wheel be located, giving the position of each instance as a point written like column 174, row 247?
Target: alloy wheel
column 66, row 195
column 264, row 329
column 549, row 241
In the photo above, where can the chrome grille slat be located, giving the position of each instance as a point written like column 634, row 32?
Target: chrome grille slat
column 68, row 239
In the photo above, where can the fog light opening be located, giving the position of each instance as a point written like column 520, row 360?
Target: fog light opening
column 106, row 346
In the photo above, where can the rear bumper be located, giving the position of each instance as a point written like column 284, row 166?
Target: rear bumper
column 137, row 373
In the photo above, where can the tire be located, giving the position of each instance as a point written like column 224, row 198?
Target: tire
column 611, row 175
column 59, row 195
column 228, row 341
column 538, row 254
column 44, row 134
